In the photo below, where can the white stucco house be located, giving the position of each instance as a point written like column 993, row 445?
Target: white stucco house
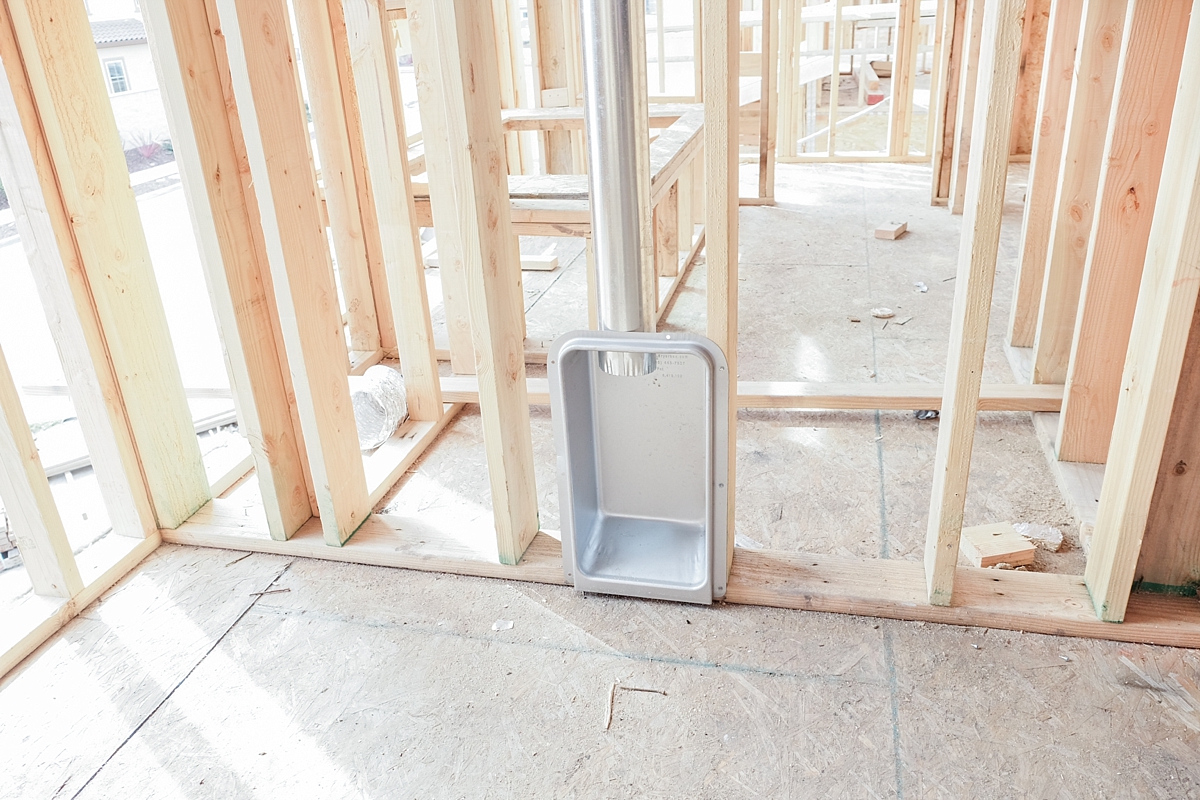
column 128, row 69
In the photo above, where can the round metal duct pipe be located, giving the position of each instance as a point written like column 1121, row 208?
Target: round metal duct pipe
column 608, row 112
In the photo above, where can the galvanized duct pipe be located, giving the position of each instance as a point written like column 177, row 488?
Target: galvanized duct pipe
column 608, row 112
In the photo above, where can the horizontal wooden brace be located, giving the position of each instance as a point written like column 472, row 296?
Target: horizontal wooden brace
column 828, row 396
column 570, row 118
column 1022, row 601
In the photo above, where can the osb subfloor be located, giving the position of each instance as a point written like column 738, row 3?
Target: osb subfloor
column 212, row 674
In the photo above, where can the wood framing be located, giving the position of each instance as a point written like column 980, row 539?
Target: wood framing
column 510, row 57
column 1161, row 324
column 553, row 76
column 965, row 114
column 443, row 210
column 225, row 218
column 1074, row 209
column 55, row 47
column 843, row 396
column 998, row 65
column 721, row 198
column 1045, row 163
column 1021, row 601
column 266, row 86
column 666, row 235
column 335, row 116
column 454, row 42
column 768, row 99
column 1127, row 190
column 835, row 78
column 904, row 76
column 385, row 153
column 1169, row 558
column 945, row 121
column 229, row 72
column 25, row 492
column 1029, row 79
column 43, row 221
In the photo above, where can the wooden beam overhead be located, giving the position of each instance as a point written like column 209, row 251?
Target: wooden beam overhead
column 998, row 63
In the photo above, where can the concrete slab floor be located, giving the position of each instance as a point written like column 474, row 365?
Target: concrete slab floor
column 187, row 680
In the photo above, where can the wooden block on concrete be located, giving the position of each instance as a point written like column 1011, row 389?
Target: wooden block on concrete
column 891, row 230
column 989, row 545
column 540, row 263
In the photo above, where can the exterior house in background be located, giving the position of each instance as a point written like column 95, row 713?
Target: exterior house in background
column 128, row 69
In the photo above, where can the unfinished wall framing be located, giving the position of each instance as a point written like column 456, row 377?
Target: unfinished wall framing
column 502, row 159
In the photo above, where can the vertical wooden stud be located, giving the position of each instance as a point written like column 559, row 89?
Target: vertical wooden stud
column 50, row 52
column 1029, row 81
column 207, row 142
column 452, row 40
column 768, row 99
column 385, row 154
column 1075, row 206
column 1158, row 342
column 698, row 50
column 683, row 191
column 1144, row 98
column 43, row 223
column 965, row 115
column 785, row 131
column 721, row 199
column 265, row 83
column 835, row 79
column 28, row 502
column 1054, row 100
column 945, row 121
column 435, row 127
column 998, row 63
column 666, row 233
column 904, row 77
column 547, row 36
column 1169, row 558
column 936, row 71
column 339, row 144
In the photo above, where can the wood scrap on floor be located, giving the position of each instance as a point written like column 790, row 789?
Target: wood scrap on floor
column 990, row 545
column 891, row 230
column 539, row 263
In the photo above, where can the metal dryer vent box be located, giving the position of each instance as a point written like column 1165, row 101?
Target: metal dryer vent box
column 642, row 464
